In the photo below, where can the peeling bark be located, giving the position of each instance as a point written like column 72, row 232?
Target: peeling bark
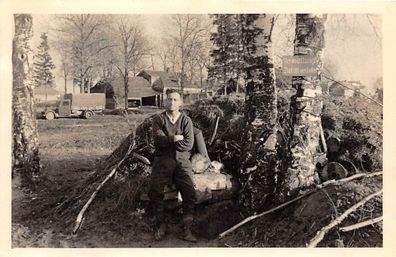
column 25, row 161
column 305, row 109
column 257, row 173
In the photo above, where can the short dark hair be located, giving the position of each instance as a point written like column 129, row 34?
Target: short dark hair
column 171, row 91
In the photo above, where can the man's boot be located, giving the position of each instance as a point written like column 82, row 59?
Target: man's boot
column 160, row 232
column 188, row 236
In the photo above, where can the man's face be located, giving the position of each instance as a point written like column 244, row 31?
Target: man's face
column 173, row 102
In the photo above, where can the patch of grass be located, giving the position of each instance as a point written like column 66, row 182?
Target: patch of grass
column 71, row 144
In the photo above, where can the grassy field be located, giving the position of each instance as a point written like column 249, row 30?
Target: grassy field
column 75, row 144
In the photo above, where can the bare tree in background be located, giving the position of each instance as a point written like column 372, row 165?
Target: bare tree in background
column 167, row 53
column 131, row 47
column 203, row 60
column 352, row 25
column 197, row 63
column 191, row 69
column 84, row 35
column 66, row 66
column 164, row 56
column 25, row 161
column 190, row 32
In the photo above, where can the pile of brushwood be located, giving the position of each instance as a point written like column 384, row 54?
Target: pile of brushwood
column 116, row 182
column 357, row 123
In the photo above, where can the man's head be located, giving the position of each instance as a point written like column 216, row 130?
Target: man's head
column 173, row 100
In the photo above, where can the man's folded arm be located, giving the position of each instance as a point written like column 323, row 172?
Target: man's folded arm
column 160, row 139
column 188, row 133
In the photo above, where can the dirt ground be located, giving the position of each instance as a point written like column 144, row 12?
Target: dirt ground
column 69, row 148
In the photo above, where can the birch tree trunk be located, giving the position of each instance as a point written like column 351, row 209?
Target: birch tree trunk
column 257, row 173
column 305, row 109
column 25, row 159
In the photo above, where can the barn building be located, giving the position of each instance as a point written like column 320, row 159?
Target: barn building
column 140, row 93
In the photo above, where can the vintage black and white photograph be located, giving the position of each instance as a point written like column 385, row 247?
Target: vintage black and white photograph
column 219, row 130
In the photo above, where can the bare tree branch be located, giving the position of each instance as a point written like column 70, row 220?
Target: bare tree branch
column 374, row 29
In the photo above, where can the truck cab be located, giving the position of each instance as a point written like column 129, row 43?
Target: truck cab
column 64, row 108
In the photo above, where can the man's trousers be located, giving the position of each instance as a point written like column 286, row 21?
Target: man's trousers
column 167, row 170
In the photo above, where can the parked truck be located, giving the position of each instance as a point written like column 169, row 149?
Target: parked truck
column 77, row 105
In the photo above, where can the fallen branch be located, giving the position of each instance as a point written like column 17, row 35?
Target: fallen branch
column 361, row 224
column 318, row 187
column 321, row 233
column 214, row 131
column 80, row 215
column 143, row 159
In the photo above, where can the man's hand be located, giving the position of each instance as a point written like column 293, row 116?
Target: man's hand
column 178, row 138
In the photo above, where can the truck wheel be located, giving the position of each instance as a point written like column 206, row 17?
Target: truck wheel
column 50, row 116
column 88, row 114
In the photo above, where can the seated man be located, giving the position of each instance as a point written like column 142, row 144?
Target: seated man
column 173, row 140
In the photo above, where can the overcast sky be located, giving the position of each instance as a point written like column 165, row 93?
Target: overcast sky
column 353, row 42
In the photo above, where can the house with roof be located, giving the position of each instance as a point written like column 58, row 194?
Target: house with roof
column 344, row 88
column 140, row 93
column 44, row 94
column 160, row 81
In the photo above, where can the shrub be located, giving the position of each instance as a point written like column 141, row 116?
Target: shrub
column 357, row 122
